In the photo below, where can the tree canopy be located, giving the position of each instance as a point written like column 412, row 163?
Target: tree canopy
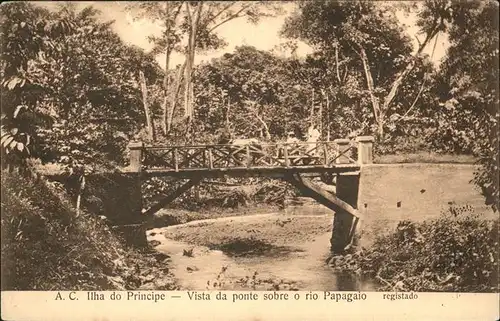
column 365, row 41
column 73, row 92
column 467, row 86
column 77, row 79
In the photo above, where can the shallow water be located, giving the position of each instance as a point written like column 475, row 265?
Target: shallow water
column 302, row 267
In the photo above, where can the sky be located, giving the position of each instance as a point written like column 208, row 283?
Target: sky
column 263, row 36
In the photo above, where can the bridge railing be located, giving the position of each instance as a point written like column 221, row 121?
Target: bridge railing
column 227, row 156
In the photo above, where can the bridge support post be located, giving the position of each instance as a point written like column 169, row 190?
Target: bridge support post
column 344, row 223
column 135, row 149
column 126, row 211
column 128, row 223
column 365, row 149
column 344, row 203
column 342, row 147
column 171, row 197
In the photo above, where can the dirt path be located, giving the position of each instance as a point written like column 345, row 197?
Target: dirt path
column 262, row 252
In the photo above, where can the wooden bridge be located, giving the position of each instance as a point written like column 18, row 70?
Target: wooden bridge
column 275, row 160
column 293, row 162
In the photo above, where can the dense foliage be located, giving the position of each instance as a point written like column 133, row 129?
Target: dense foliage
column 467, row 86
column 29, row 34
column 75, row 95
column 458, row 251
column 47, row 245
column 370, row 56
column 249, row 85
column 71, row 95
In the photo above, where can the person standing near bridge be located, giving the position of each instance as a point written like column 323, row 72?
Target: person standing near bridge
column 291, row 143
column 312, row 138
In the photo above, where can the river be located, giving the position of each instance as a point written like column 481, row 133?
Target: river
column 270, row 256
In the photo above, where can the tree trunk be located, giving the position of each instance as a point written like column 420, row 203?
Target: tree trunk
column 378, row 111
column 166, row 76
column 80, row 192
column 312, row 108
column 228, row 110
column 397, row 83
column 264, row 127
column 169, row 23
column 177, row 90
column 337, row 63
column 380, row 128
column 191, row 49
column 320, row 113
column 371, row 89
column 166, row 85
column 149, row 123
column 328, row 117
column 187, row 82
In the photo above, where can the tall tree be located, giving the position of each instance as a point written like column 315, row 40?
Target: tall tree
column 242, row 90
column 29, row 33
column 192, row 27
column 85, row 83
column 370, row 34
column 167, row 14
column 468, row 85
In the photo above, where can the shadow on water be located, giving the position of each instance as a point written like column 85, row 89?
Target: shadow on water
column 352, row 282
column 249, row 247
column 327, row 279
column 291, row 263
column 285, row 262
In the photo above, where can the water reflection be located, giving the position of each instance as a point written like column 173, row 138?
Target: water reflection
column 350, row 282
column 309, row 273
column 324, row 278
column 273, row 262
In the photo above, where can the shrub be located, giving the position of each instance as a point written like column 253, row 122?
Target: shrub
column 230, row 193
column 458, row 251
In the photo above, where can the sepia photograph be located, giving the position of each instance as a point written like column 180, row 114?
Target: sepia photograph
column 250, row 146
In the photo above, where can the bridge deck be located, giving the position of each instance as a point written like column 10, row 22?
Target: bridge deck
column 275, row 172
column 276, row 159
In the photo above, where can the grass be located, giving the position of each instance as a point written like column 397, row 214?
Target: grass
column 424, row 157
